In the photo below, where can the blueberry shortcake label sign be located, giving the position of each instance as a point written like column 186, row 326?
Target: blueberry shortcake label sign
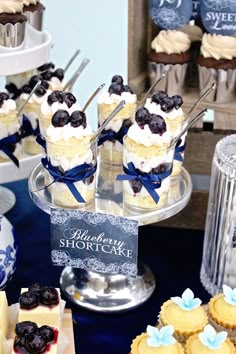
column 196, row 9
column 170, row 14
column 94, row 241
column 219, row 16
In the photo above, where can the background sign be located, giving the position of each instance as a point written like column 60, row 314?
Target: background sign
column 219, row 16
column 170, row 14
column 94, row 241
column 196, row 9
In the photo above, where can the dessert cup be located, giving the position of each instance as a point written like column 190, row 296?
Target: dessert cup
column 146, row 160
column 179, row 156
column 30, row 146
column 65, row 156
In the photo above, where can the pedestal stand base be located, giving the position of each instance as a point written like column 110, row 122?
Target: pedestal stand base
column 7, row 200
column 106, row 292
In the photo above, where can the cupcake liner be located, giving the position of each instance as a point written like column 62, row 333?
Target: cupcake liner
column 225, row 84
column 12, row 36
column 35, row 18
column 173, row 83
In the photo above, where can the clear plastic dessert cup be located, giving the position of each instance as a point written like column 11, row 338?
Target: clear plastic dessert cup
column 66, row 156
column 111, row 151
column 152, row 160
column 10, row 125
column 30, row 146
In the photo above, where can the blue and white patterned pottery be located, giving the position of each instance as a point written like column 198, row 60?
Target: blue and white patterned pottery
column 8, row 251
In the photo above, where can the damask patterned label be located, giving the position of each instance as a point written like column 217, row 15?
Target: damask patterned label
column 170, row 14
column 219, row 16
column 94, row 241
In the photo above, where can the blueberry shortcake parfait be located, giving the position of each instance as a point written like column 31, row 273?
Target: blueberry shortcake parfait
column 55, row 101
column 55, row 77
column 68, row 147
column 147, row 153
column 112, row 138
column 9, row 127
column 170, row 109
column 31, row 113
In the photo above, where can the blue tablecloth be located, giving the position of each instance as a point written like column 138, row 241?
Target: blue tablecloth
column 173, row 255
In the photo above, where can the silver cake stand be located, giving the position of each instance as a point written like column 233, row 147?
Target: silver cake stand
column 107, row 292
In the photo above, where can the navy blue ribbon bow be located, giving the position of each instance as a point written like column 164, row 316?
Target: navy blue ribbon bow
column 109, row 135
column 150, row 181
column 69, row 177
column 179, row 150
column 27, row 129
column 5, row 146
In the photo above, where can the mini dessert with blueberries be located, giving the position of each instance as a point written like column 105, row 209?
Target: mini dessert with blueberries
column 31, row 112
column 146, row 146
column 112, row 138
column 54, row 77
column 9, row 126
column 68, row 146
column 41, row 305
column 56, row 100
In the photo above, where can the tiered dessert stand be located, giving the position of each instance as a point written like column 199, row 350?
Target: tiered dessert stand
column 33, row 53
column 107, row 292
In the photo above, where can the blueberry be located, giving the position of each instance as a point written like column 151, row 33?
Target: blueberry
column 142, row 116
column 40, row 91
column 167, row 104
column 46, row 66
column 78, row 118
column 118, row 79
column 46, row 75
column 126, row 88
column 115, row 88
column 157, row 97
column 59, row 73
column 34, row 79
column 55, row 96
column 49, row 296
column 19, row 343
column 157, row 124
column 26, row 89
column 178, row 101
column 160, row 169
column 11, row 88
column 69, row 99
column 35, row 288
column 136, row 185
column 60, row 118
column 126, row 123
column 25, row 327
column 28, row 300
column 45, row 84
column 47, row 332
column 60, row 95
column 35, row 343
column 5, row 96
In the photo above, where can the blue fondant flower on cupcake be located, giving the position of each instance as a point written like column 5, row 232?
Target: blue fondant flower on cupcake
column 162, row 337
column 230, row 295
column 187, row 302
column 211, row 339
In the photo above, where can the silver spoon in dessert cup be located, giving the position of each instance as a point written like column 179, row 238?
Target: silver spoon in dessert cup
column 188, row 126
column 118, row 108
column 92, row 97
column 152, row 87
column 201, row 98
column 29, row 97
column 74, row 56
column 69, row 85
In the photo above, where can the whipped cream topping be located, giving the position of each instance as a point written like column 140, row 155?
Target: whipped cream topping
column 56, row 84
column 34, row 98
column 11, row 6
column 68, row 164
column 30, row 2
column 171, row 42
column 67, row 132
column 194, row 32
column 7, row 107
column 146, row 137
column 155, row 108
column 146, row 165
column 108, row 98
column 218, row 46
column 48, row 110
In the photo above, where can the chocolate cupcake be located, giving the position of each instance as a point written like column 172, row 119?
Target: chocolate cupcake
column 12, row 23
column 34, row 10
column 217, row 64
column 170, row 50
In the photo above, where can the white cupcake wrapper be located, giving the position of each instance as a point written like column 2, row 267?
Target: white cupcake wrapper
column 173, row 83
column 225, row 81
column 12, row 36
column 35, row 18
